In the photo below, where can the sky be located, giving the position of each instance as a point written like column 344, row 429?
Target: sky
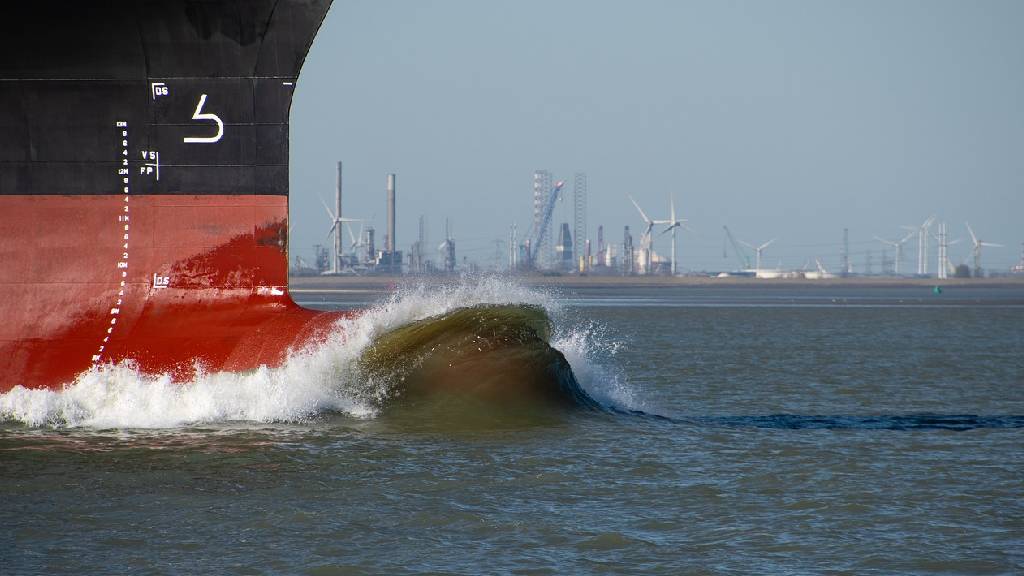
column 783, row 119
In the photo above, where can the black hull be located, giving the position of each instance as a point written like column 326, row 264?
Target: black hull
column 71, row 72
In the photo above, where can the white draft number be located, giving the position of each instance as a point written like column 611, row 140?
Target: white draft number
column 200, row 115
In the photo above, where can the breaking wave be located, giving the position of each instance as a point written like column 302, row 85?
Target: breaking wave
column 320, row 379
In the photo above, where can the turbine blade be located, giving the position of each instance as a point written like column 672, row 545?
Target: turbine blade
column 324, row 204
column 669, row 229
column 639, row 209
column 974, row 238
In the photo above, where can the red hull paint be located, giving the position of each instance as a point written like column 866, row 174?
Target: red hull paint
column 200, row 280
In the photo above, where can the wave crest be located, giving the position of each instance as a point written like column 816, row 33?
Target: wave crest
column 320, row 378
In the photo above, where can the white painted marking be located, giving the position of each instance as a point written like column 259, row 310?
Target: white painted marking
column 154, row 166
column 159, row 89
column 200, row 115
column 269, row 291
column 122, row 219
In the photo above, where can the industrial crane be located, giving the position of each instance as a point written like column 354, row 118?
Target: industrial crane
column 537, row 236
column 744, row 261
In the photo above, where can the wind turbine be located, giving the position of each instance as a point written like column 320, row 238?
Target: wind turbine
column 673, row 223
column 645, row 236
column 922, row 244
column 977, row 250
column 898, row 245
column 757, row 250
column 357, row 241
column 336, row 222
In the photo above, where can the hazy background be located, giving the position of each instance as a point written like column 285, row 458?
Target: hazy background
column 779, row 119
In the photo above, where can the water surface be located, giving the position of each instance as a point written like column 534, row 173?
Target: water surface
column 786, row 431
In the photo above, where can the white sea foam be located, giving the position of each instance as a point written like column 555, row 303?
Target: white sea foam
column 592, row 352
column 312, row 381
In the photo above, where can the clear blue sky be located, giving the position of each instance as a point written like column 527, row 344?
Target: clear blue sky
column 778, row 119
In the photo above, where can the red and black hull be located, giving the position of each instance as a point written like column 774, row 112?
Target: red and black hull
column 144, row 186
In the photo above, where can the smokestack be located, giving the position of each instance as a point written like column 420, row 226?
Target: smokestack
column 391, row 243
column 844, row 258
column 337, row 223
column 337, row 195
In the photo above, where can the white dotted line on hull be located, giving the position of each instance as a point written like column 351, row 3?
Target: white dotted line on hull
column 123, row 223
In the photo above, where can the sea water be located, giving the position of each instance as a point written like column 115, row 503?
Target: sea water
column 746, row 430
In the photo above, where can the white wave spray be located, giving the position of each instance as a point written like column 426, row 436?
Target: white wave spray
column 317, row 379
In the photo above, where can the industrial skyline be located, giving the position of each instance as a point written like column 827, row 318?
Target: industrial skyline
column 779, row 120
column 655, row 252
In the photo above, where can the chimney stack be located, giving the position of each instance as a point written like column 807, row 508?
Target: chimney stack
column 391, row 243
column 337, row 224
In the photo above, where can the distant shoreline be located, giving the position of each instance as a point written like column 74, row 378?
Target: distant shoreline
column 327, row 283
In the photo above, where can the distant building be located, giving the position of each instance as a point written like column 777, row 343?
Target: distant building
column 389, row 262
column 563, row 250
column 627, row 252
column 1019, row 267
column 323, row 258
column 371, row 246
column 447, row 249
